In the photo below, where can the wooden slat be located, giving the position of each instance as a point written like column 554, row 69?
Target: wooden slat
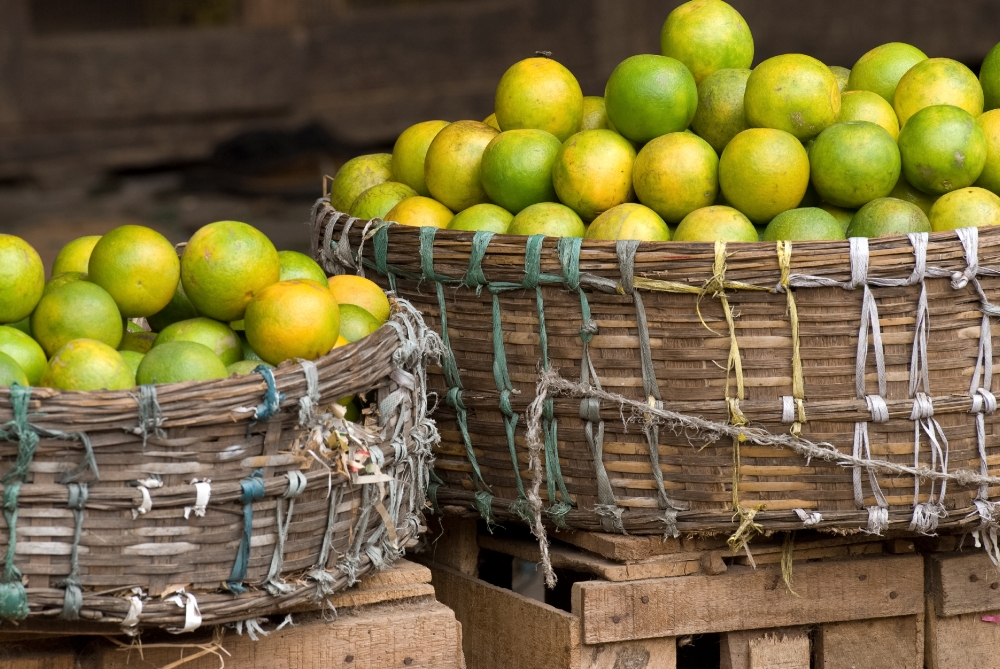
column 736, row 648
column 961, row 641
column 898, row 643
column 963, row 583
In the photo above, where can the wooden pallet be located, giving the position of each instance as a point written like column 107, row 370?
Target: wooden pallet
column 637, row 600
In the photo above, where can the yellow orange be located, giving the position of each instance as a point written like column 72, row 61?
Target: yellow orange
column 292, row 319
column 420, row 211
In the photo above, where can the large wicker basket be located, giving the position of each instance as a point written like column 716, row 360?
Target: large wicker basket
column 203, row 503
column 704, row 388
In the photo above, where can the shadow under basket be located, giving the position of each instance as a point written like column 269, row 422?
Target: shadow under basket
column 202, row 503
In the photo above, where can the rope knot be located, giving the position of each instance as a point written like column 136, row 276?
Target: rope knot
column 588, row 330
column 922, row 407
column 983, row 402
column 878, row 409
column 809, row 519
column 859, row 262
column 970, row 242
column 590, row 409
column 505, row 406
column 77, row 496
column 272, row 398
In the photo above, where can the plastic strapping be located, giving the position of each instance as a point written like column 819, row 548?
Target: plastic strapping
column 253, row 490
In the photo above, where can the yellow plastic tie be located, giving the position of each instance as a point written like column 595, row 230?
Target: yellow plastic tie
column 798, row 384
column 787, row 558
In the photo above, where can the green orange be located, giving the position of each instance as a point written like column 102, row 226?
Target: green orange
column 675, row 174
column 965, row 207
column 25, row 351
column 488, row 217
column 720, row 115
column 843, row 216
column 542, row 94
column 842, row 74
column 218, row 337
column 648, row 96
column 629, row 221
column 854, row 163
column 362, row 292
column 593, row 172
column 85, row 364
column 378, row 200
column 420, row 211
column 178, row 309
column 140, row 342
column 11, row 372
column 138, row 267
column 409, row 153
column 356, row 323
column 763, row 172
column 990, row 176
column 292, row 319
column 180, row 361
column 943, row 149
column 133, row 358
column 517, row 168
column 452, row 168
column 62, row 280
column 358, row 175
column 868, row 106
column 78, row 310
column 224, row 265
column 246, row 367
column 715, row 224
column 989, row 79
column 22, row 278
column 75, row 256
column 547, row 218
column 937, row 81
column 880, row 70
column 595, row 114
column 295, row 265
column 707, row 35
column 904, row 191
column 793, row 92
column 806, row 224
column 886, row 217
column 491, row 121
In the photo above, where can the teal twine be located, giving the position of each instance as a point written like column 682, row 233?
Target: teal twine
column 272, row 398
column 432, row 491
column 88, row 461
column 73, row 598
column 150, row 415
column 474, row 275
column 253, row 490
column 13, row 598
column 351, row 561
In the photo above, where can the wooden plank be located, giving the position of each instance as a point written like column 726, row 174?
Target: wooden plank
column 455, row 545
column 421, row 634
column 898, row 643
column 623, row 548
column 773, row 651
column 734, row 647
column 643, row 654
column 61, row 660
column 743, row 598
column 964, row 640
column 963, row 583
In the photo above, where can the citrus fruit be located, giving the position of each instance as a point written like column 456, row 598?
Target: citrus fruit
column 799, row 225
column 886, row 217
column 78, row 310
column 943, row 148
column 795, row 93
column 853, row 163
column 362, row 292
column 937, row 81
column 218, row 337
column 139, row 342
column 989, row 79
column 24, row 325
column 547, row 218
column 85, row 364
column 842, row 75
column 482, row 217
column 648, row 96
column 629, row 221
column 420, row 211
column 880, row 70
column 25, row 351
column 491, row 121
column 179, row 361
column 75, row 256
column 990, row 176
column 224, row 265
column 341, row 341
column 715, row 224
column 452, row 168
column 11, row 372
column 593, row 172
column 763, row 172
column 843, row 216
column 248, row 352
column 22, row 278
column 517, row 168
column 707, row 35
column 179, row 308
column 539, row 93
column 595, row 114
column 675, row 174
column 62, row 280
column 868, row 106
column 132, row 326
column 378, row 200
column 138, row 267
column 720, row 115
column 292, row 319
column 356, row 323
column 409, row 153
column 965, row 207
column 246, row 367
column 904, row 191
column 358, row 175
column 295, row 265
column 133, row 358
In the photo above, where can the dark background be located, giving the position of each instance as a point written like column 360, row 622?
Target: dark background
column 174, row 113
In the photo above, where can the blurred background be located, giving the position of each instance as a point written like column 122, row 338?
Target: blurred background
column 176, row 113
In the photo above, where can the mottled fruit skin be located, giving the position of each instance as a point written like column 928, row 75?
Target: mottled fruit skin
column 842, row 74
column 25, row 351
column 964, row 208
column 180, row 361
column 715, row 224
column 593, row 172
column 904, row 191
column 943, row 149
column 420, row 211
column 989, row 79
column 410, row 150
column 990, row 176
column 800, row 225
column 224, row 265
column 880, row 70
column 61, row 280
column 888, row 217
column 843, row 216
column 292, row 319
column 22, row 278
column 720, row 115
column 218, row 337
column 707, row 35
column 517, row 168
column 356, row 323
column 488, row 217
column 595, row 114
column 178, row 309
column 764, row 172
column 854, row 163
column 629, row 221
column 547, row 218
column 295, row 265
column 358, row 175
column 491, row 121
column 379, row 200
column 452, row 168
column 75, row 256
column 868, row 106
column 365, row 293
column 11, row 372
column 78, row 310
column 138, row 267
column 795, row 93
column 937, row 81
column 85, row 364
column 539, row 93
column 246, row 367
column 675, row 174
column 648, row 96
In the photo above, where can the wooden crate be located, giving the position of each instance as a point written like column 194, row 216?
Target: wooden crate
column 638, row 598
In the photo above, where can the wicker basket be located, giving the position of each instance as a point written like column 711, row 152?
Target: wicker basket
column 685, row 389
column 202, row 503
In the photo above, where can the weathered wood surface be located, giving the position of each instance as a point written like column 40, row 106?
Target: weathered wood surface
column 453, row 544
column 744, row 650
column 963, row 640
column 963, row 583
column 778, row 651
column 406, row 580
column 888, row 643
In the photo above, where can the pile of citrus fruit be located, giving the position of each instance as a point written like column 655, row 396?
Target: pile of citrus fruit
column 230, row 303
column 693, row 145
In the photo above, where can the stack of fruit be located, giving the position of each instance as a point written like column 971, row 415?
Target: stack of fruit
column 229, row 304
column 792, row 149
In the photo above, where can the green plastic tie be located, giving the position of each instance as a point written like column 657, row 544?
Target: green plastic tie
column 253, row 490
column 73, row 598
